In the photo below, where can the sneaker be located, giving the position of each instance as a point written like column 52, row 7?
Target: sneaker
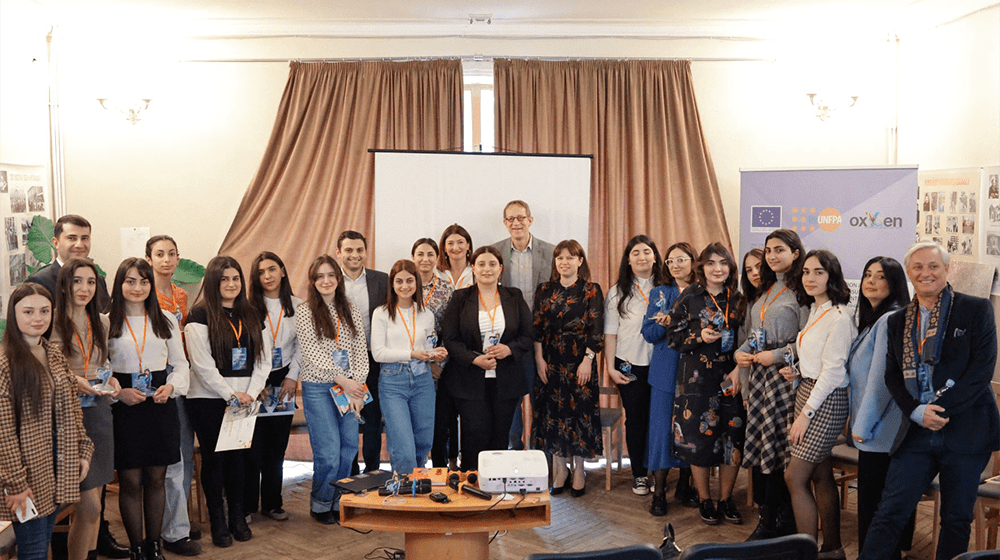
column 709, row 514
column 277, row 514
column 659, row 506
column 729, row 511
column 640, row 486
column 183, row 547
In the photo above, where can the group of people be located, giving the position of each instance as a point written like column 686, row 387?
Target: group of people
column 759, row 365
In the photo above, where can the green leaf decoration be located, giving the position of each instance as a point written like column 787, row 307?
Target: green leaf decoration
column 40, row 239
column 99, row 269
column 188, row 272
column 33, row 269
column 3, row 325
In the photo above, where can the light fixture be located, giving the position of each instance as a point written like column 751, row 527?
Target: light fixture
column 481, row 19
column 825, row 108
column 132, row 111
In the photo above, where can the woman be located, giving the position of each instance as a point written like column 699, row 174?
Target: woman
column 772, row 325
column 144, row 343
column 437, row 292
column 821, row 404
column 568, row 321
column 749, row 283
column 875, row 417
column 403, row 339
column 271, row 296
column 81, row 332
column 39, row 412
column 663, row 380
column 456, row 256
column 334, row 358
column 487, row 331
column 162, row 255
column 230, row 351
column 709, row 421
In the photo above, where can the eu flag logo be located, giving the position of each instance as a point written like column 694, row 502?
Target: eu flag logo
column 763, row 219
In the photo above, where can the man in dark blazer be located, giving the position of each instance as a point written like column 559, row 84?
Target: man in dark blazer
column 367, row 289
column 940, row 361
column 527, row 263
column 72, row 240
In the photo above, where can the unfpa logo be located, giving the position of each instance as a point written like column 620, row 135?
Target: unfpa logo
column 807, row 219
column 829, row 219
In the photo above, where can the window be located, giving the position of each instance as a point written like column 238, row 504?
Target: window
column 477, row 107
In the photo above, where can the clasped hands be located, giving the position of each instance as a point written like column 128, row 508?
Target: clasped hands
column 437, row 355
column 488, row 360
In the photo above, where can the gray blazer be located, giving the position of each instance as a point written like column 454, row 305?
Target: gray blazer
column 541, row 260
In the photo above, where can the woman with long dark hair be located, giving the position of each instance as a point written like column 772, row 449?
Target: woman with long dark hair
column 39, row 413
column 875, row 417
column 749, row 284
column 454, row 262
column 230, row 351
column 147, row 357
column 334, row 360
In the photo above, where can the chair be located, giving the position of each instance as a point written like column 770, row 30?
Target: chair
column 635, row 552
column 793, row 547
column 845, row 466
column 612, row 424
column 980, row 555
column 987, row 511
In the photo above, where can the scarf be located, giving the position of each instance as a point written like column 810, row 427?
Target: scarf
column 918, row 355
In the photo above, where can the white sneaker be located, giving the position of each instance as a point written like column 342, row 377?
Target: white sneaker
column 640, row 486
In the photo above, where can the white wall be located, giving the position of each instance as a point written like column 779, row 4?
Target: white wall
column 24, row 135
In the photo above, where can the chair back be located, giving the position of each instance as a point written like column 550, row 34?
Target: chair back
column 635, row 552
column 979, row 555
column 792, row 547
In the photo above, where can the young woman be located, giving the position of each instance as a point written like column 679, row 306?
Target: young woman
column 821, row 404
column 162, row 255
column 403, row 339
column 569, row 321
column 772, row 325
column 663, row 380
column 271, row 296
column 487, row 331
column 334, row 357
column 144, row 343
column 626, row 354
column 230, row 351
column 81, row 332
column 456, row 256
column 437, row 292
column 875, row 417
column 749, row 283
column 39, row 413
column 709, row 422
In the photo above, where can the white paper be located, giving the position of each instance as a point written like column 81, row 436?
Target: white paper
column 134, row 241
column 237, row 427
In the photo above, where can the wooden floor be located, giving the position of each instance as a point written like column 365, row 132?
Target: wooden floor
column 597, row 520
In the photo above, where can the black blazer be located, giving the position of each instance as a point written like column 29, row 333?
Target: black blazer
column 378, row 291
column 969, row 356
column 48, row 275
column 461, row 336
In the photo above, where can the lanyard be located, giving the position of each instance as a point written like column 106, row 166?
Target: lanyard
column 920, row 345
column 643, row 294
column 413, row 321
column 86, row 352
column 274, row 330
column 765, row 305
column 717, row 306
column 458, row 285
column 430, row 292
column 173, row 298
column 804, row 331
column 238, row 333
column 496, row 304
column 336, row 332
column 139, row 350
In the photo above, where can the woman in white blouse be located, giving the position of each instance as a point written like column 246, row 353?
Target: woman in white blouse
column 143, row 341
column 821, row 404
column 334, row 361
column 403, row 342
column 455, row 258
column 230, row 351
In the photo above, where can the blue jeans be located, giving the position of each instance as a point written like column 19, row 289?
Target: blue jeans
column 334, row 441
column 921, row 457
column 407, row 395
column 33, row 537
column 517, row 424
column 177, row 483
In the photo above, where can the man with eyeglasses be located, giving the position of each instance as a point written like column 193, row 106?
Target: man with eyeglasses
column 528, row 263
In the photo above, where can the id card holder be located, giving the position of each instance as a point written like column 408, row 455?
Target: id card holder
column 143, row 382
column 239, row 358
column 432, row 339
column 494, row 339
column 758, row 339
column 341, row 359
column 626, row 369
column 275, row 358
column 178, row 315
column 727, row 340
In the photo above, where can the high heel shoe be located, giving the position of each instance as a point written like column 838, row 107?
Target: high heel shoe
column 566, row 485
column 577, row 492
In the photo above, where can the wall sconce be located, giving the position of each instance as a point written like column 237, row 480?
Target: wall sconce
column 131, row 111
column 825, row 108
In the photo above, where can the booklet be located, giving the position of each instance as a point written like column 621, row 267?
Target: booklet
column 272, row 406
column 343, row 403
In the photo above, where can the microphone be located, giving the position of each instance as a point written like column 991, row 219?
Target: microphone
column 454, row 482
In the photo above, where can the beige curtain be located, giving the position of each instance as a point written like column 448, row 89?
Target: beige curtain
column 652, row 172
column 316, row 178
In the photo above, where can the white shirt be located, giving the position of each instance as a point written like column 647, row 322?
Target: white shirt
column 464, row 280
column 207, row 382
column 631, row 346
column 291, row 354
column 491, row 329
column 390, row 338
column 357, row 292
column 823, row 346
column 156, row 354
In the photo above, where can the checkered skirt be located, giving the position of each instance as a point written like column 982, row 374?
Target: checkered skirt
column 769, row 405
column 825, row 427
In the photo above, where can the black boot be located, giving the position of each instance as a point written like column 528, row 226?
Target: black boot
column 137, row 552
column 220, row 530
column 238, row 523
column 685, row 493
column 154, row 551
column 765, row 526
column 92, row 555
column 785, row 521
column 108, row 546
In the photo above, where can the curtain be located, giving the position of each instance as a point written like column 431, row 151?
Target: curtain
column 316, row 177
column 652, row 172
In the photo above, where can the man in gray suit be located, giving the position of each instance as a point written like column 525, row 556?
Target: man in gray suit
column 527, row 263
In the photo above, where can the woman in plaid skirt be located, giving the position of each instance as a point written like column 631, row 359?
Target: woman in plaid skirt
column 821, row 404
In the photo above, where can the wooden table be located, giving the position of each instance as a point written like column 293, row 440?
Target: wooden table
column 458, row 530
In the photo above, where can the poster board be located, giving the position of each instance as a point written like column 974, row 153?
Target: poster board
column 24, row 194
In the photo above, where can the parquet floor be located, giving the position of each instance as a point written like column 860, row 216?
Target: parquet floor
column 597, row 520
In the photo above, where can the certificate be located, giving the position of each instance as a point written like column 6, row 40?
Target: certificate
column 237, row 427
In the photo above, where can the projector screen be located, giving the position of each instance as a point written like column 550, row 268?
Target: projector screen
column 419, row 194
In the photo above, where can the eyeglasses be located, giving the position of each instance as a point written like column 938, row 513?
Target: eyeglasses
column 678, row 260
column 520, row 219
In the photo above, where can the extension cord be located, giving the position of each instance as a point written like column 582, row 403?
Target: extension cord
column 399, row 555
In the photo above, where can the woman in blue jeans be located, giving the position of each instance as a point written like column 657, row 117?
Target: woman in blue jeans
column 403, row 342
column 334, row 359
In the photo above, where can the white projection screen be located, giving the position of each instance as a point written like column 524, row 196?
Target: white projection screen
column 418, row 194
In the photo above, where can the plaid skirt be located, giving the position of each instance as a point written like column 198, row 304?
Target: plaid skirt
column 769, row 403
column 825, row 426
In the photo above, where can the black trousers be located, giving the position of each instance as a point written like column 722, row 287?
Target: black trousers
column 371, row 448
column 635, row 400
column 445, row 444
column 485, row 424
column 872, row 471
column 219, row 471
column 263, row 472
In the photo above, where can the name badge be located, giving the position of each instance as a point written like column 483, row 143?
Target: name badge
column 143, row 382
column 179, row 316
column 432, row 339
column 757, row 339
column 727, row 340
column 275, row 358
column 626, row 369
column 494, row 339
column 239, row 358
column 341, row 360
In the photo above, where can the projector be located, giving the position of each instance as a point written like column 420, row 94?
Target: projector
column 513, row 471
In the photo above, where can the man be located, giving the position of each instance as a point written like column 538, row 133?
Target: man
column 941, row 355
column 527, row 263
column 72, row 240
column 367, row 289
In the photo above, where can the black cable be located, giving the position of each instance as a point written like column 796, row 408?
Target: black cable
column 387, row 553
column 357, row 531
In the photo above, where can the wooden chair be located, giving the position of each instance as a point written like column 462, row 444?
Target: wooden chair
column 845, row 468
column 612, row 423
column 987, row 511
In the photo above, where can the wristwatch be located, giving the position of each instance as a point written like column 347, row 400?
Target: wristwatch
column 810, row 413
column 590, row 355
